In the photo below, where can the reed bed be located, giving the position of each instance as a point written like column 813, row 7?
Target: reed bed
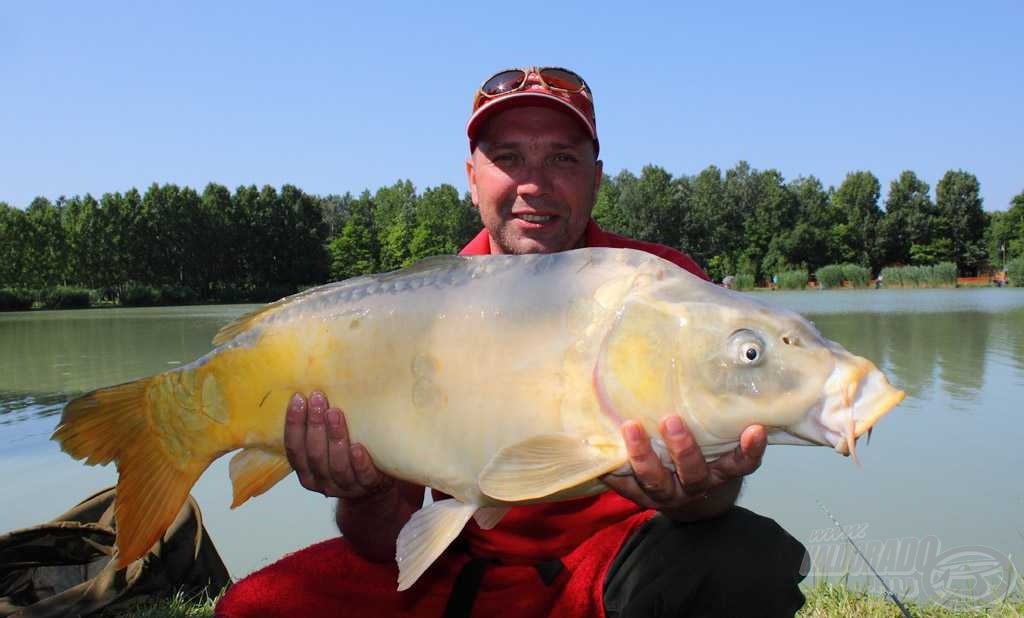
column 942, row 274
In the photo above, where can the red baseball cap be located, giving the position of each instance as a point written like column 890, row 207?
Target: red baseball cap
column 553, row 87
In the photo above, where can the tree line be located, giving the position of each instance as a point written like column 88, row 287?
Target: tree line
column 225, row 245
column 756, row 223
column 250, row 244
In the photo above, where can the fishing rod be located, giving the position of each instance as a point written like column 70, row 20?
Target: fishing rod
column 888, row 591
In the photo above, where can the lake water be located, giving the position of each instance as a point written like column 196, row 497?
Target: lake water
column 943, row 471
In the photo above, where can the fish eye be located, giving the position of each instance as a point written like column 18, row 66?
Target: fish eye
column 747, row 348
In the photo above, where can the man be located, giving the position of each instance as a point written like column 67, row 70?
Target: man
column 663, row 543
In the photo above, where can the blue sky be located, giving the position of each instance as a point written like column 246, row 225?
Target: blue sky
column 336, row 97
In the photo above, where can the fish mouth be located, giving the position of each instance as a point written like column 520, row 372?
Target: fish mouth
column 858, row 396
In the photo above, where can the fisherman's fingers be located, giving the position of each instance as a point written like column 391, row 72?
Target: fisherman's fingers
column 352, row 473
column 691, row 469
column 652, row 478
column 745, row 458
column 339, row 460
column 295, row 441
column 316, row 442
column 369, row 477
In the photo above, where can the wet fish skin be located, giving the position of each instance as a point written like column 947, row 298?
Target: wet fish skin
column 509, row 375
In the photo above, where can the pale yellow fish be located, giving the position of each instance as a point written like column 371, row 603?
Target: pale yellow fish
column 498, row 380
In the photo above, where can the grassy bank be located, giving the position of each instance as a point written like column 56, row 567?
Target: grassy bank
column 824, row 600
column 135, row 295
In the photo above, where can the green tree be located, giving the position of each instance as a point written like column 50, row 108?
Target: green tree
column 857, row 200
column 706, row 232
column 809, row 243
column 307, row 234
column 768, row 230
column 46, row 255
column 962, row 219
column 354, row 251
column 14, row 253
column 606, row 205
column 1004, row 236
column 335, row 211
column 88, row 252
column 645, row 207
column 224, row 238
column 437, row 223
column 909, row 219
column 742, row 193
column 173, row 227
column 395, row 216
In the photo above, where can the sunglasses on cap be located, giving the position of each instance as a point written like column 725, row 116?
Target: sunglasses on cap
column 512, row 80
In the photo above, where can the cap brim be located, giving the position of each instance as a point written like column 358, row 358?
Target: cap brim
column 523, row 99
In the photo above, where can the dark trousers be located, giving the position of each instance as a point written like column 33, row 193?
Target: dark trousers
column 738, row 564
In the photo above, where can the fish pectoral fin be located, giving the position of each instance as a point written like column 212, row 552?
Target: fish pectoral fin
column 429, row 532
column 488, row 517
column 253, row 471
column 546, row 464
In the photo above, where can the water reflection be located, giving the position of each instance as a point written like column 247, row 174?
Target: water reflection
column 926, row 348
column 51, row 356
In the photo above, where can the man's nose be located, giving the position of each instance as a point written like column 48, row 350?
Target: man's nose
column 534, row 179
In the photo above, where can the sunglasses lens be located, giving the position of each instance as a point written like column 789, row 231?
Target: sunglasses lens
column 562, row 79
column 503, row 82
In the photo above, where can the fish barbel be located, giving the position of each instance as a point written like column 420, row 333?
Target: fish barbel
column 498, row 380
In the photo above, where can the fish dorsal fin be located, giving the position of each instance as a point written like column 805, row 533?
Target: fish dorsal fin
column 546, row 464
column 427, row 265
column 253, row 471
column 428, row 532
column 422, row 268
column 246, row 321
column 635, row 372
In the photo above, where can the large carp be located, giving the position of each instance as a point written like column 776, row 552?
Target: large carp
column 497, row 380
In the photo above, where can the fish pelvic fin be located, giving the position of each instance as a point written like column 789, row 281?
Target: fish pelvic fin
column 160, row 450
column 426, row 535
column 487, row 517
column 547, row 464
column 253, row 471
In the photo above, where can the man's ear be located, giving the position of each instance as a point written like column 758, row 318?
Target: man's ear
column 471, row 180
column 598, row 175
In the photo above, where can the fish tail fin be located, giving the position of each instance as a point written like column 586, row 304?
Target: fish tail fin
column 149, row 429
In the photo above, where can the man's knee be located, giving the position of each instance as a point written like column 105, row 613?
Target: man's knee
column 739, row 562
column 756, row 550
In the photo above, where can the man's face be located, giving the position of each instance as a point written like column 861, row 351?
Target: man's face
column 534, row 179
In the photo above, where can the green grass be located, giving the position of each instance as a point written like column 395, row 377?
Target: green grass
column 824, row 600
column 180, row 605
column 830, row 276
column 793, row 279
column 942, row 274
column 743, row 282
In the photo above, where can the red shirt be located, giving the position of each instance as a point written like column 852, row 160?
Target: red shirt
column 538, row 532
column 594, row 236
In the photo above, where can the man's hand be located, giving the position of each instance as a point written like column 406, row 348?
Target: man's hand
column 697, row 489
column 317, row 443
column 373, row 506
